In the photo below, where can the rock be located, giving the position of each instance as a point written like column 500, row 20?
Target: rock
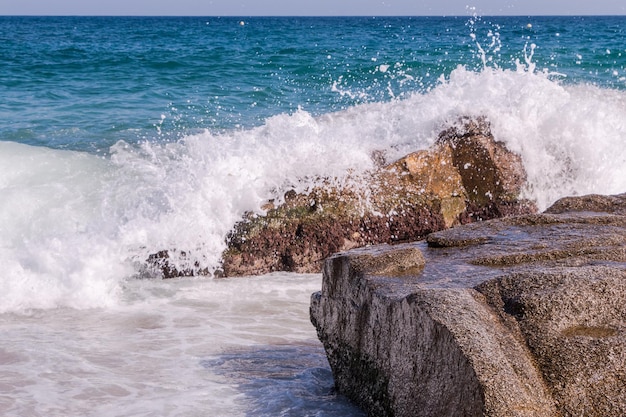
column 520, row 316
column 615, row 204
column 488, row 170
column 172, row 264
column 466, row 176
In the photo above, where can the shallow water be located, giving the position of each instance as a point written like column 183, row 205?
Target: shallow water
column 186, row 347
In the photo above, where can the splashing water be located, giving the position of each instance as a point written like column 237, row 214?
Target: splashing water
column 161, row 133
column 98, row 217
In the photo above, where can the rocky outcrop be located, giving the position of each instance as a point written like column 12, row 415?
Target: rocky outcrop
column 522, row 316
column 465, row 176
column 172, row 264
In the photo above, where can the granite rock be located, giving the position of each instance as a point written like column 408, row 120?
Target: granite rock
column 521, row 316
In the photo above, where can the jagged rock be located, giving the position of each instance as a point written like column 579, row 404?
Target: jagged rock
column 466, row 176
column 521, row 316
column 489, row 172
column 161, row 264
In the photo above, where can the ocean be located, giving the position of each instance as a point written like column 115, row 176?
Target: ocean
column 124, row 136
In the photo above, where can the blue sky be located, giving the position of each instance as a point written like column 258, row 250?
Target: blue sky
column 309, row 7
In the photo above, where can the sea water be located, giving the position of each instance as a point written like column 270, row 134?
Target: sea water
column 121, row 137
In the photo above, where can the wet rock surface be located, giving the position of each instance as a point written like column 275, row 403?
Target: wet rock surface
column 172, row 264
column 466, row 176
column 521, row 316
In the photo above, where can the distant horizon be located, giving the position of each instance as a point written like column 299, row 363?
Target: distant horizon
column 311, row 16
column 319, row 8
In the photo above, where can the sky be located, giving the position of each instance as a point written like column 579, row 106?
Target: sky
column 311, row 7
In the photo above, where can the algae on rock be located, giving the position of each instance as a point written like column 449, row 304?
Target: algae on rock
column 465, row 176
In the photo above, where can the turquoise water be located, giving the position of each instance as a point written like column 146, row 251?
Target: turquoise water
column 122, row 137
column 85, row 82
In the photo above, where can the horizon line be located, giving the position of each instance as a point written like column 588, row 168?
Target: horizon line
column 311, row 16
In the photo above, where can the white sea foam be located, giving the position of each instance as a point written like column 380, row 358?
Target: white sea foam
column 55, row 244
column 175, row 348
column 74, row 226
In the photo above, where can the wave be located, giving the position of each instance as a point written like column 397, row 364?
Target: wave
column 74, row 226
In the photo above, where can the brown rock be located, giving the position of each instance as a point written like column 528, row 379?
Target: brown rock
column 431, row 172
column 421, row 193
column 489, row 171
column 300, row 245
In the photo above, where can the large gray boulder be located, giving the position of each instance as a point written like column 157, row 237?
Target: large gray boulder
column 522, row 316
